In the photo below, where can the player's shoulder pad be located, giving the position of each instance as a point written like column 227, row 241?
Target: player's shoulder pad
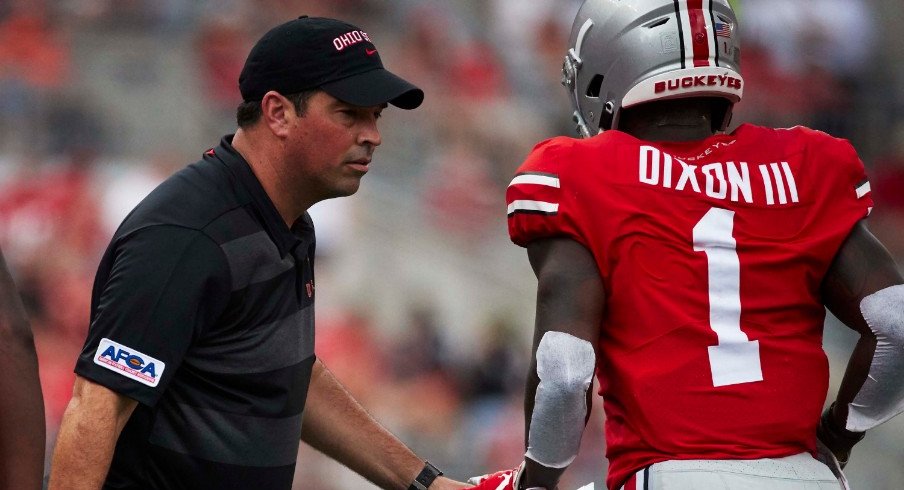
column 839, row 165
column 547, row 154
column 537, row 207
column 815, row 137
column 822, row 144
column 834, row 148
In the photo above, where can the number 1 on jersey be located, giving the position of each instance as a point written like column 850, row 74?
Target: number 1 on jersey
column 736, row 358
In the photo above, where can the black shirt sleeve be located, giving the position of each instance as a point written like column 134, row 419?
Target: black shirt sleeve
column 164, row 284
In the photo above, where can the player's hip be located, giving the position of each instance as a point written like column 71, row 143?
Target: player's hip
column 796, row 472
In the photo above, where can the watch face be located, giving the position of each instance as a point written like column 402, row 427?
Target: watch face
column 425, row 478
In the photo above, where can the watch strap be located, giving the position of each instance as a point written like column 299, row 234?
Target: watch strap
column 425, row 478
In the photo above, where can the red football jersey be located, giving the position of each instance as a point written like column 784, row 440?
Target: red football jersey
column 712, row 254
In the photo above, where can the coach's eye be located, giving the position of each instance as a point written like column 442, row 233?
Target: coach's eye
column 346, row 114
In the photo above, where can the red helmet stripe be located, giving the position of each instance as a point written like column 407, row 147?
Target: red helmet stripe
column 700, row 36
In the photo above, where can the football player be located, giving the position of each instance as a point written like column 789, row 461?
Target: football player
column 689, row 269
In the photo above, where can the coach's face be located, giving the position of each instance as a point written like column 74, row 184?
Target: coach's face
column 329, row 146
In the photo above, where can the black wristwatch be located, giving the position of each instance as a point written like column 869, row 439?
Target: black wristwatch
column 425, row 478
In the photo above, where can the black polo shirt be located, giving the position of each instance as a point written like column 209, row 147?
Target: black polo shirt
column 203, row 312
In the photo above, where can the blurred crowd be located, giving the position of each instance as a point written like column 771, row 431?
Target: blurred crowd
column 424, row 308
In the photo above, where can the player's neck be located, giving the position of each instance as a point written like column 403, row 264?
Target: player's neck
column 675, row 120
column 671, row 132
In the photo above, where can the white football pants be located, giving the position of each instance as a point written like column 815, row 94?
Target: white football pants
column 797, row 472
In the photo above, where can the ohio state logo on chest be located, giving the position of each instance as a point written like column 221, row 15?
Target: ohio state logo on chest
column 350, row 39
column 697, row 81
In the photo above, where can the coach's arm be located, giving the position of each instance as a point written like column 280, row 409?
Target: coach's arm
column 21, row 403
column 91, row 426
column 338, row 426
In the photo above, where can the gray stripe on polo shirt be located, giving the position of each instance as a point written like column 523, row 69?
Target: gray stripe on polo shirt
column 227, row 437
column 254, row 258
column 261, row 348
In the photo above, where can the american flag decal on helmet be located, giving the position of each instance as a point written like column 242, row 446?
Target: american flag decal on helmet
column 526, row 197
column 723, row 29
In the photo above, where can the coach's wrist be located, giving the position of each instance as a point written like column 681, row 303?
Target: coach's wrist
column 426, row 477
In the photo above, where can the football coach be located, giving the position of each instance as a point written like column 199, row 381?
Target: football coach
column 199, row 364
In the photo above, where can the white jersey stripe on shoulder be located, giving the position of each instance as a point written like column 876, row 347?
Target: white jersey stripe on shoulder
column 546, row 180
column 533, row 206
column 641, row 480
column 863, row 189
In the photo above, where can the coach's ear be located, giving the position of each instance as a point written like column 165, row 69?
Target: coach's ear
column 276, row 112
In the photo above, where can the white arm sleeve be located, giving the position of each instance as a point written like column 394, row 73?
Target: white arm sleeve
column 882, row 394
column 565, row 366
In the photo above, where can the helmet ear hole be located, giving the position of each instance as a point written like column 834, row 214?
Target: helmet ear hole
column 593, row 89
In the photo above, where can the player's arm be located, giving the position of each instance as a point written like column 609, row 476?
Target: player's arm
column 21, row 403
column 863, row 288
column 570, row 303
column 338, row 426
column 91, row 425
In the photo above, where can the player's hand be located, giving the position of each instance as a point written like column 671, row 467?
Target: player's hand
column 500, row 480
column 836, row 439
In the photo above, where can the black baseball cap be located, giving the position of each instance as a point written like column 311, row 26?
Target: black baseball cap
column 318, row 52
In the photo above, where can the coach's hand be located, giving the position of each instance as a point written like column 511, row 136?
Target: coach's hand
column 500, row 480
column 835, row 437
column 443, row 483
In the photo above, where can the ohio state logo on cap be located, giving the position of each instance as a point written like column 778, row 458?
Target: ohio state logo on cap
column 350, row 39
column 327, row 54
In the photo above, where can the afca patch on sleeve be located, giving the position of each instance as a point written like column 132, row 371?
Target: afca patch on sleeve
column 129, row 362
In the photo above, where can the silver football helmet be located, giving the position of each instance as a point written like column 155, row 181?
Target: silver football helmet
column 628, row 52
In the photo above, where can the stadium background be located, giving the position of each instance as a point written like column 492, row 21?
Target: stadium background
column 425, row 309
